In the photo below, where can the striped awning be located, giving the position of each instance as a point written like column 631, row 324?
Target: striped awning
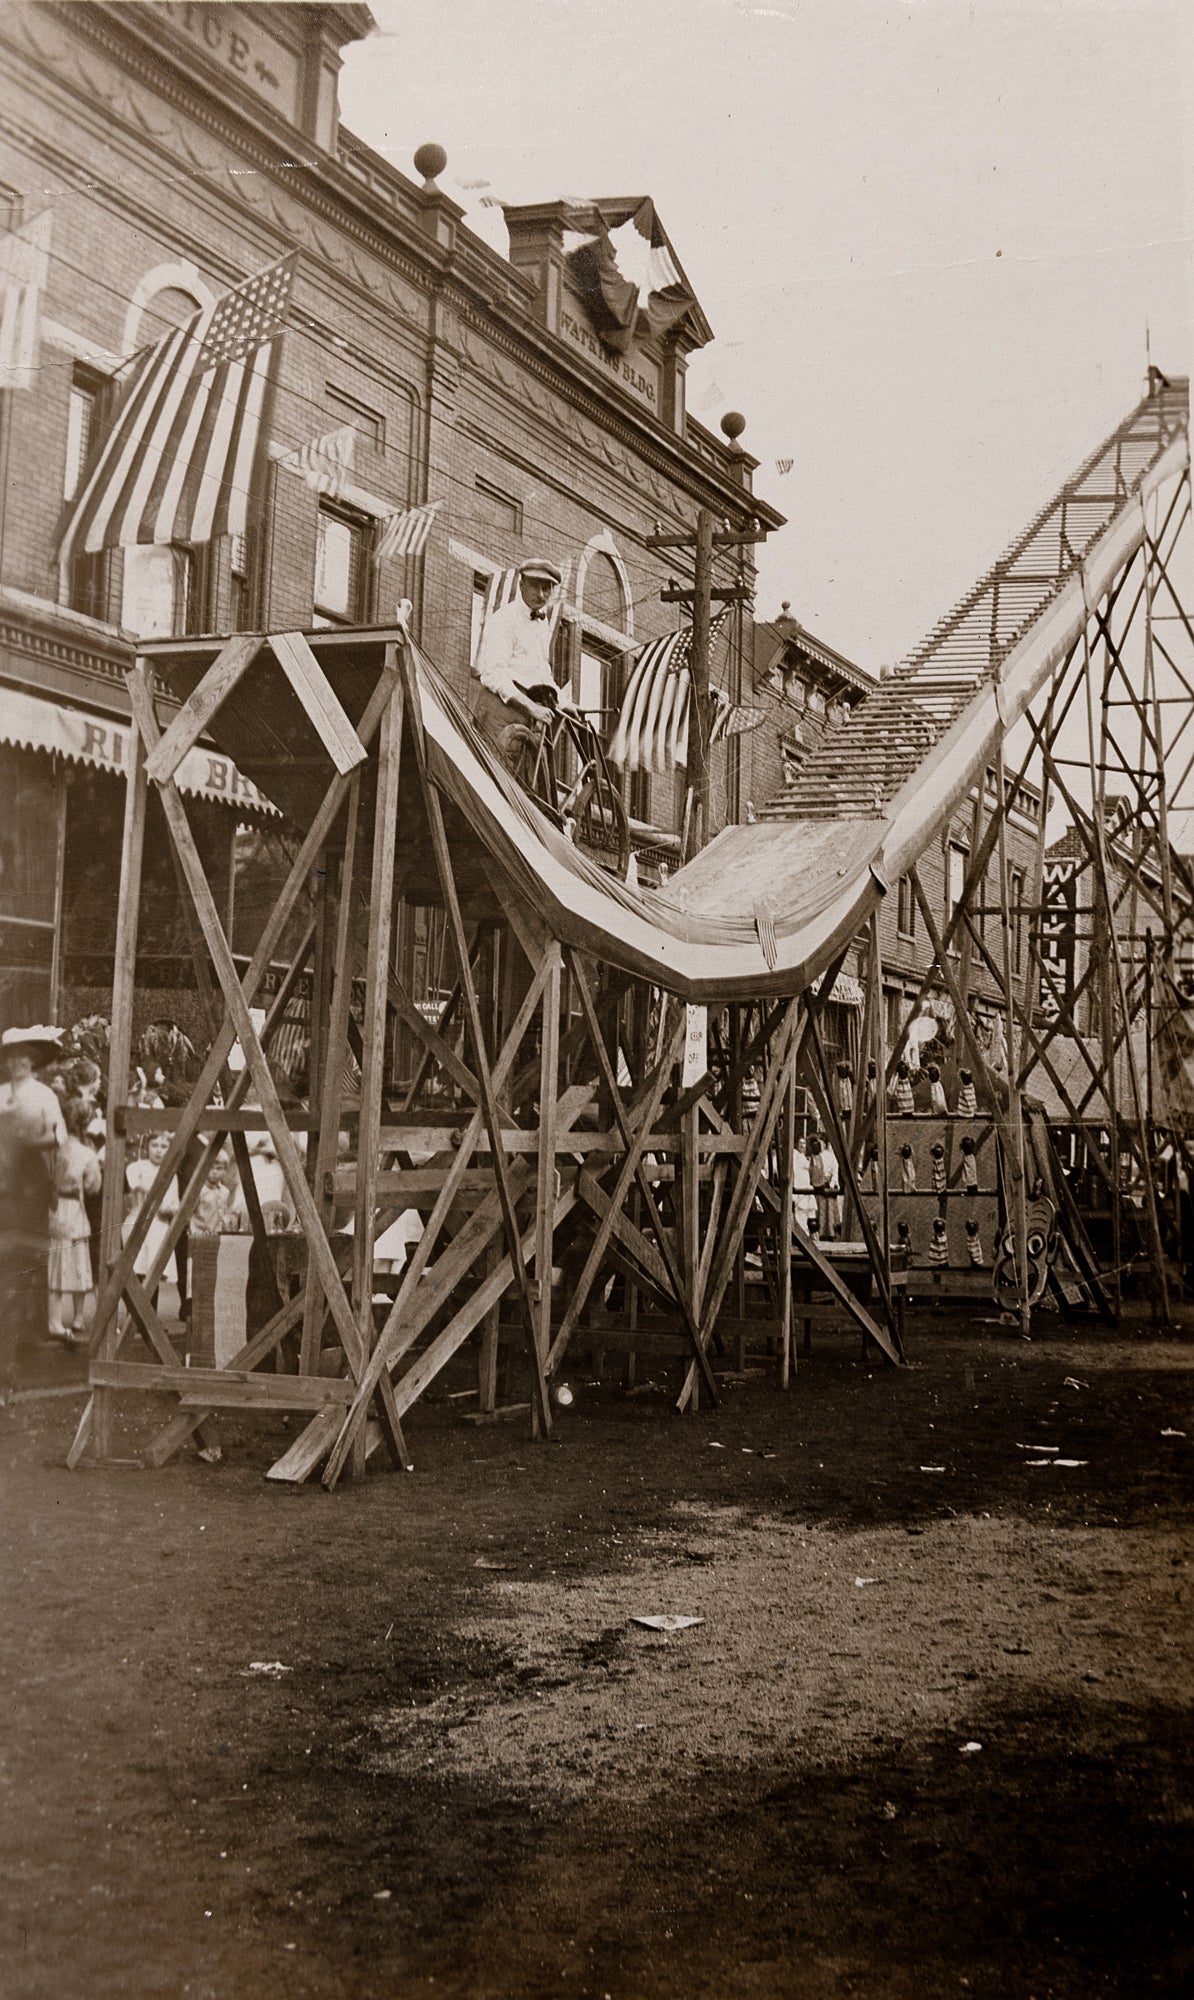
column 30, row 722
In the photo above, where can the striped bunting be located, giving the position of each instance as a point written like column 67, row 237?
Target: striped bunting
column 178, row 462
column 326, row 460
column 652, row 728
column 406, row 534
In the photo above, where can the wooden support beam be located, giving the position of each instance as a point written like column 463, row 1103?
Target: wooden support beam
column 447, row 881
column 869, row 1327
column 229, row 667
column 633, row 1143
column 330, row 1078
column 628, row 1172
column 305, row 1208
column 95, row 1424
column 320, row 705
column 209, row 1075
column 548, row 1177
column 226, row 1388
column 377, row 975
column 788, row 1040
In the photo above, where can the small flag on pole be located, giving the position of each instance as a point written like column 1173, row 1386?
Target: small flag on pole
column 406, row 534
column 24, row 263
column 652, row 729
column 325, row 461
column 180, row 458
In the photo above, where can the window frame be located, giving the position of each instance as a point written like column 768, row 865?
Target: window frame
column 361, row 529
column 961, row 850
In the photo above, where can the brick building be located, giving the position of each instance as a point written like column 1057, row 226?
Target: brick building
column 806, row 690
column 163, row 152
column 840, row 769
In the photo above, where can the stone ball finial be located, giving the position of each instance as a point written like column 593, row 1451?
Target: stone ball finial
column 733, row 424
column 786, row 607
column 430, row 161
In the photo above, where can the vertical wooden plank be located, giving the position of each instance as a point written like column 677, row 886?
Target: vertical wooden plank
column 688, row 1203
column 120, row 1051
column 373, row 1051
column 328, row 1081
column 545, row 1192
column 487, row 1360
column 319, row 1248
column 787, row 1140
column 447, row 879
column 879, row 1051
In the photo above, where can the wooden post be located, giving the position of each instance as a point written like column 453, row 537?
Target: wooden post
column 545, row 1200
column 373, row 1055
column 786, row 1142
column 1014, row 1104
column 443, row 864
column 697, row 832
column 328, row 1081
column 97, row 1417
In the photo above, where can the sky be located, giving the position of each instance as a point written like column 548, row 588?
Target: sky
column 932, row 238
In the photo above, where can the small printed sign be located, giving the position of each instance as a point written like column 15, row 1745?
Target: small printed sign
column 696, row 1045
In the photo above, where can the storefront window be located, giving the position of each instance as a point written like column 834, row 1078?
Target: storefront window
column 28, row 847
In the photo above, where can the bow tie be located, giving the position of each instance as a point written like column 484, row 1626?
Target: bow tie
column 538, row 614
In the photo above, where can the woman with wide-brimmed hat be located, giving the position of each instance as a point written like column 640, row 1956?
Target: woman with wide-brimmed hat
column 31, row 1131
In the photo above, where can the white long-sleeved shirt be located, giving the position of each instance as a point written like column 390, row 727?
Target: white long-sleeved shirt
column 515, row 650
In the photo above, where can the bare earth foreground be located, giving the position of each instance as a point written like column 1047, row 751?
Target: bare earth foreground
column 478, row 1778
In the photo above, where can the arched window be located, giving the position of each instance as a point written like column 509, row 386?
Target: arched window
column 603, row 593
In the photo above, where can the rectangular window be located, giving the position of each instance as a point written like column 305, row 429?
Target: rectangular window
column 477, row 614
column 347, row 410
column 1015, row 896
column 342, row 546
column 592, row 696
column 80, row 429
column 496, row 509
column 241, row 595
column 88, row 579
column 956, row 858
column 906, row 908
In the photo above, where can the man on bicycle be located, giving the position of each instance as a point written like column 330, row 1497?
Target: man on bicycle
column 513, row 666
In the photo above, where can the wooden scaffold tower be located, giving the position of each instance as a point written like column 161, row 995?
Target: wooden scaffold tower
column 541, row 1122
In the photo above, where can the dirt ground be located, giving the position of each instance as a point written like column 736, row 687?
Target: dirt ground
column 932, row 1736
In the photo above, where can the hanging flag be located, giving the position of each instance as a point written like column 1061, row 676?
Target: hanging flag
column 406, row 534
column 178, row 462
column 24, row 264
column 325, row 462
column 652, row 729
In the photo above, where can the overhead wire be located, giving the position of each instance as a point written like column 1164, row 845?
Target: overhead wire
column 404, row 459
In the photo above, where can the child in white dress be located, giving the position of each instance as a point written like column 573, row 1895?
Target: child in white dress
column 139, row 1176
column 76, row 1174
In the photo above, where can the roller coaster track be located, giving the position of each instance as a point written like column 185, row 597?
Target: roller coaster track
column 1035, row 588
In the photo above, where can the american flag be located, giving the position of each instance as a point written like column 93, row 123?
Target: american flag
column 24, row 260
column 325, row 460
column 406, row 534
column 652, row 728
column 178, row 463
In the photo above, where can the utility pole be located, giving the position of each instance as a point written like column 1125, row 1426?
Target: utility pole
column 701, row 596
column 698, row 683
